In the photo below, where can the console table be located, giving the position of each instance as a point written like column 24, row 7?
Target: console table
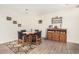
column 57, row 35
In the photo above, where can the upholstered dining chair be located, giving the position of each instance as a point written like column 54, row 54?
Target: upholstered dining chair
column 19, row 37
column 22, row 37
column 20, row 43
column 38, row 37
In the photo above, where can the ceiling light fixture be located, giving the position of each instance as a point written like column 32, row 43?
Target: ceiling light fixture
column 26, row 11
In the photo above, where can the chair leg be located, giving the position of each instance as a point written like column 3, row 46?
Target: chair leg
column 19, row 41
column 38, row 41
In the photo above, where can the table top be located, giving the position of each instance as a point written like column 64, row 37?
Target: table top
column 29, row 33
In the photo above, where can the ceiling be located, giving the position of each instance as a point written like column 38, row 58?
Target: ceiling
column 39, row 9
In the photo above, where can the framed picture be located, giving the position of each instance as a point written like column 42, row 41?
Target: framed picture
column 56, row 20
column 8, row 18
column 40, row 21
column 19, row 25
column 14, row 22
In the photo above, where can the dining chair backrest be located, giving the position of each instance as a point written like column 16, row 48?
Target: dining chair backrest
column 19, row 35
column 39, row 34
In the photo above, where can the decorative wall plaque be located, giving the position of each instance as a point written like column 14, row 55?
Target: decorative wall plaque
column 40, row 21
column 14, row 22
column 8, row 18
column 19, row 25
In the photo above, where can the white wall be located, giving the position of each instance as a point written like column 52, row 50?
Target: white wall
column 8, row 30
column 70, row 22
column 33, row 24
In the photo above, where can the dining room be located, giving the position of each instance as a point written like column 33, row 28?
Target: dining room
column 39, row 28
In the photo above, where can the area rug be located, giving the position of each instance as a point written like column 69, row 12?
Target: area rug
column 18, row 49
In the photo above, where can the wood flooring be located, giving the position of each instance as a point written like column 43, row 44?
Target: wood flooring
column 52, row 47
column 48, row 47
column 5, row 50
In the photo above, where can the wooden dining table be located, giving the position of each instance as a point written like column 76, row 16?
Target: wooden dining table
column 30, row 36
column 29, row 33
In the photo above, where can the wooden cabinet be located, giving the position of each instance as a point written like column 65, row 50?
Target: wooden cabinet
column 49, row 35
column 57, row 34
column 63, row 36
